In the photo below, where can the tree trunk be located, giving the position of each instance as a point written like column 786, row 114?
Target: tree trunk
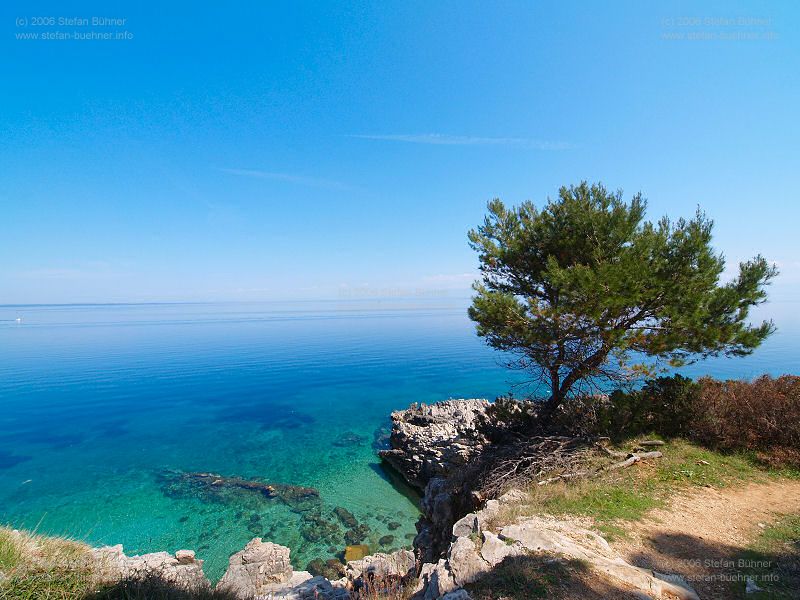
column 552, row 403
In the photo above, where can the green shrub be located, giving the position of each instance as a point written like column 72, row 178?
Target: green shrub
column 664, row 406
column 762, row 416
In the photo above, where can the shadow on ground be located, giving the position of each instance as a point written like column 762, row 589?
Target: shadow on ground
column 546, row 576
column 720, row 571
column 153, row 588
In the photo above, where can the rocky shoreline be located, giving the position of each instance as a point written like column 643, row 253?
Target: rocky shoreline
column 261, row 570
column 458, row 539
column 460, row 536
column 427, row 443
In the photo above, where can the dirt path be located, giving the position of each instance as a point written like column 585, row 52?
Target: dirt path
column 700, row 535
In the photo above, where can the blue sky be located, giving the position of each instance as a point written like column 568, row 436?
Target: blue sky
column 235, row 152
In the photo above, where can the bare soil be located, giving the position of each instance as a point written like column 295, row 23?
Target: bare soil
column 701, row 535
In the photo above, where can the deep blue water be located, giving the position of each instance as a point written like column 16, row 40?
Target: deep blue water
column 104, row 409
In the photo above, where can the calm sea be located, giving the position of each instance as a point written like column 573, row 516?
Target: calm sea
column 107, row 411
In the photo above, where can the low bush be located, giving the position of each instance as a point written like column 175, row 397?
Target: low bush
column 664, row 406
column 762, row 416
column 759, row 415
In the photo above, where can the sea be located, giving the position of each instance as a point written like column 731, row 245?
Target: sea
column 147, row 424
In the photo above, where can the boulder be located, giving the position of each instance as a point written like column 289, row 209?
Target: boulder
column 466, row 525
column 435, row 527
column 540, row 534
column 487, row 513
column 460, row 594
column 435, row 580
column 465, row 563
column 313, row 588
column 397, row 566
column 494, row 550
column 431, row 440
column 260, row 568
column 185, row 557
column 181, row 569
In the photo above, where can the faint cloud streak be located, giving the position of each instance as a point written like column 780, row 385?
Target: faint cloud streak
column 89, row 270
column 288, row 178
column 440, row 139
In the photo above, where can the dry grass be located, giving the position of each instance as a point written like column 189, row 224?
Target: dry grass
column 541, row 575
column 40, row 567
column 623, row 495
column 37, row 567
column 390, row 589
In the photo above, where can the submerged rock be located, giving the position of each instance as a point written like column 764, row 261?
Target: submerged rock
column 219, row 488
column 316, row 528
column 349, row 439
column 330, row 569
column 346, row 517
column 355, row 552
column 357, row 534
column 380, row 438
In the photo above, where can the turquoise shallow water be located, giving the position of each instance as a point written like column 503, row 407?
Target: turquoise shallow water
column 105, row 409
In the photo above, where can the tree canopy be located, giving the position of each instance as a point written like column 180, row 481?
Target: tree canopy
column 586, row 290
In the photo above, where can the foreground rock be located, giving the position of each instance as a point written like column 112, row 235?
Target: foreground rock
column 432, row 440
column 264, row 569
column 395, row 567
column 428, row 443
column 476, row 549
column 260, row 570
column 181, row 569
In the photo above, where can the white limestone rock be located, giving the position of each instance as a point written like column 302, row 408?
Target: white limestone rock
column 181, row 569
column 260, row 568
column 464, row 561
column 494, row 550
column 397, row 565
column 431, row 440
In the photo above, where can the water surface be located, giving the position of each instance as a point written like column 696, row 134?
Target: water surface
column 104, row 410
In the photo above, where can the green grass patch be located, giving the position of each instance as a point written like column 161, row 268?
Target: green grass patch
column 784, row 533
column 9, row 552
column 611, row 531
column 602, row 502
column 615, row 497
column 684, row 462
column 773, row 562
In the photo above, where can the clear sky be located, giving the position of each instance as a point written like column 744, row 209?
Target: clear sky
column 224, row 151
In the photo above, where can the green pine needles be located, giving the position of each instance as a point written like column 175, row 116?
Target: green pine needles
column 585, row 291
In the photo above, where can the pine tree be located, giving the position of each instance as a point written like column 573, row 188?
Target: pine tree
column 585, row 291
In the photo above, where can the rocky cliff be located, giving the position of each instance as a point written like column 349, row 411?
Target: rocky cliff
column 428, row 444
column 459, row 540
column 430, row 441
